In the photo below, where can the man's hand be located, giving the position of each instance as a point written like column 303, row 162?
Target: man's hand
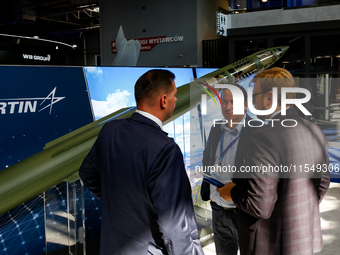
column 225, row 191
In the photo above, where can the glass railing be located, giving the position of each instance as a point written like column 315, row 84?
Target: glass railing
column 240, row 6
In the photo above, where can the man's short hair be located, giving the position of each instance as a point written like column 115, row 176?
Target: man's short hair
column 241, row 88
column 152, row 83
column 272, row 77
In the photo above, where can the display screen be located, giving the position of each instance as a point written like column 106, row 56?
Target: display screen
column 203, row 71
column 112, row 88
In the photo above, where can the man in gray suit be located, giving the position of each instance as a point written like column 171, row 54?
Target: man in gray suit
column 281, row 208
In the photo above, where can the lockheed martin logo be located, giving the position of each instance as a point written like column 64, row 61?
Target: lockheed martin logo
column 25, row 105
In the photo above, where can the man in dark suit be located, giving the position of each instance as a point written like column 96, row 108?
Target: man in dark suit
column 233, row 136
column 138, row 172
column 281, row 208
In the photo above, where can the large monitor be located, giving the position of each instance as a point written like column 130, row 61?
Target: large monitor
column 112, row 88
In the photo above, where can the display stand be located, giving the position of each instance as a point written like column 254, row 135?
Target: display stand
column 65, row 218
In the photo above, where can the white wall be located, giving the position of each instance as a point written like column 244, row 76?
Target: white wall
column 195, row 20
column 159, row 18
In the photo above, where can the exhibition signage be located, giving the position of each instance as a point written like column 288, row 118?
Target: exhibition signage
column 221, row 22
column 24, row 105
column 150, row 42
column 36, row 57
column 38, row 105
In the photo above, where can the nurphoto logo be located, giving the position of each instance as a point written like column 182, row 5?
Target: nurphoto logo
column 238, row 100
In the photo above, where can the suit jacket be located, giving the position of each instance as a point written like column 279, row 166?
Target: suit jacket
column 209, row 153
column 282, row 214
column 138, row 172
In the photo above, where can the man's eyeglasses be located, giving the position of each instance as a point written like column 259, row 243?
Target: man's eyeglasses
column 254, row 96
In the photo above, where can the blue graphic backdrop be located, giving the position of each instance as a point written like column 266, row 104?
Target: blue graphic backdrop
column 24, row 134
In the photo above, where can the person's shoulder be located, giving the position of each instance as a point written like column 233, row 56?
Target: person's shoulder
column 151, row 133
column 301, row 120
column 311, row 126
column 165, row 140
column 113, row 124
column 251, row 125
column 216, row 128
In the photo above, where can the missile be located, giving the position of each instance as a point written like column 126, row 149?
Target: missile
column 235, row 72
column 61, row 158
column 246, row 67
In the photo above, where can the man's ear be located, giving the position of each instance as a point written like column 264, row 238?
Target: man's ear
column 269, row 99
column 163, row 101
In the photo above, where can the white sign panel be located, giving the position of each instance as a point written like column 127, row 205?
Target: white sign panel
column 221, row 21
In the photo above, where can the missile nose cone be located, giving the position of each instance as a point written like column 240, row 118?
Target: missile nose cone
column 280, row 51
column 284, row 49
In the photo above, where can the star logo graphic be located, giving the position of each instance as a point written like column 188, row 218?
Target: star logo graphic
column 53, row 99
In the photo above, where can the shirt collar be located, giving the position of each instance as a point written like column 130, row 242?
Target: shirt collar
column 151, row 117
column 276, row 113
column 237, row 129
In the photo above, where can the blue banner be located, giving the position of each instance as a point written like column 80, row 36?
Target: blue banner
column 38, row 105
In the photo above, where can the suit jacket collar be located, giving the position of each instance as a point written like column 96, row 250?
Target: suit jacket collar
column 150, row 116
column 291, row 113
column 146, row 121
column 242, row 145
column 220, row 129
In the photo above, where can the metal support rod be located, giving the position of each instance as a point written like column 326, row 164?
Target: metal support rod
column 326, row 96
column 84, row 44
column 75, row 216
column 68, row 216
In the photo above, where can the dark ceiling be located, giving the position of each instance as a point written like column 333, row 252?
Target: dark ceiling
column 47, row 19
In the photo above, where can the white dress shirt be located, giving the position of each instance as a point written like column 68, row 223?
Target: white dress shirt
column 228, row 159
column 151, row 117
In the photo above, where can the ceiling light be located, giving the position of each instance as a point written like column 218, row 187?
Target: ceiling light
column 38, row 39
